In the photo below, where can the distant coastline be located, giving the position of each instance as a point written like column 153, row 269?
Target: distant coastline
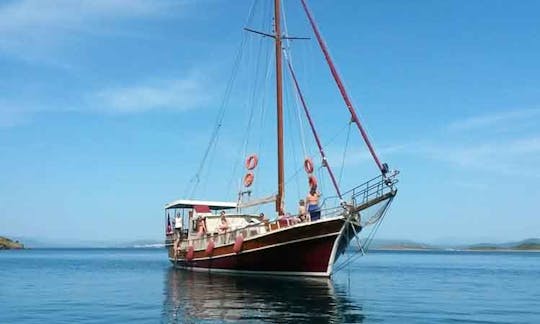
column 528, row 245
column 524, row 246
column 7, row 244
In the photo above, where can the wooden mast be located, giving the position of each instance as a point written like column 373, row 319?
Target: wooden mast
column 279, row 104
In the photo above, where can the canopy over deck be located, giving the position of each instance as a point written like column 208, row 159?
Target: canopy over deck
column 213, row 205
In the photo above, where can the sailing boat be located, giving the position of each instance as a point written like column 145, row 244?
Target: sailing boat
column 218, row 236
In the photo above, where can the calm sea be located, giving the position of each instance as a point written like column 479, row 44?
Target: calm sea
column 139, row 286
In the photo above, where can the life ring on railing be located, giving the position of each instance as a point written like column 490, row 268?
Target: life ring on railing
column 248, row 179
column 308, row 165
column 312, row 181
column 252, row 161
column 210, row 247
column 190, row 253
column 237, row 247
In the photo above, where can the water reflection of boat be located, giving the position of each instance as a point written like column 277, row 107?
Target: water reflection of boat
column 192, row 296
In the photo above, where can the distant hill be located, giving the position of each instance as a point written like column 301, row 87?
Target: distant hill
column 531, row 244
column 528, row 246
column 524, row 245
column 7, row 244
column 57, row 243
column 382, row 244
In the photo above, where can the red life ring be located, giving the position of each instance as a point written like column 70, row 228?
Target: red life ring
column 248, row 179
column 308, row 165
column 312, row 181
column 210, row 248
column 252, row 161
column 190, row 253
column 238, row 243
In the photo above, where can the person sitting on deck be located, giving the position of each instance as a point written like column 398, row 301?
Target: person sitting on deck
column 313, row 204
column 201, row 226
column 224, row 226
column 302, row 213
column 262, row 218
column 287, row 219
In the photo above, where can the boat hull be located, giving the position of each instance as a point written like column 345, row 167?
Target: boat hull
column 306, row 249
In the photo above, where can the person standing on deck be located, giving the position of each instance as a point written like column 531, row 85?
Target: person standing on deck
column 224, row 226
column 313, row 204
column 201, row 226
column 178, row 225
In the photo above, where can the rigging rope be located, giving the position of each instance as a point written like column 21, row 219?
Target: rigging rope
column 287, row 54
column 344, row 154
column 260, row 63
column 341, row 87
column 367, row 241
column 195, row 180
column 312, row 126
column 288, row 57
column 291, row 145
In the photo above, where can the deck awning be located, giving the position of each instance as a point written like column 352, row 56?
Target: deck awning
column 212, row 205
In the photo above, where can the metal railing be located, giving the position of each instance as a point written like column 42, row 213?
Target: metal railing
column 248, row 231
column 226, row 238
column 372, row 190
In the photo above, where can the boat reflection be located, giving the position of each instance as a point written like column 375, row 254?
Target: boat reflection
column 192, row 297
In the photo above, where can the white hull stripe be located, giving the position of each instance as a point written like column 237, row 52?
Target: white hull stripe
column 270, row 273
column 334, row 250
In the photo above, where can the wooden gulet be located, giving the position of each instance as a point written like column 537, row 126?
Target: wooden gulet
column 254, row 245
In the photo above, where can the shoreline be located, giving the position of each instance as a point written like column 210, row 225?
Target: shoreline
column 8, row 244
column 451, row 250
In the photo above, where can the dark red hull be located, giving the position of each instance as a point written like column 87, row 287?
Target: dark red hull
column 298, row 250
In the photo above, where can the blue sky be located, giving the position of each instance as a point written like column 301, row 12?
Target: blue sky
column 106, row 109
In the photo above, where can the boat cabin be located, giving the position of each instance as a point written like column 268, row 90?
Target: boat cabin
column 191, row 219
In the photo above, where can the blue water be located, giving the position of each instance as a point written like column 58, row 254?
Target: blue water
column 139, row 286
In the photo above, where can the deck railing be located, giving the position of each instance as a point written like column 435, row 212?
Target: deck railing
column 373, row 190
column 226, row 238
column 248, row 231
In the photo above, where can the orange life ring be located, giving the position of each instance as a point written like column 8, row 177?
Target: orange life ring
column 252, row 161
column 210, row 247
column 312, row 181
column 248, row 179
column 190, row 253
column 308, row 165
column 238, row 243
